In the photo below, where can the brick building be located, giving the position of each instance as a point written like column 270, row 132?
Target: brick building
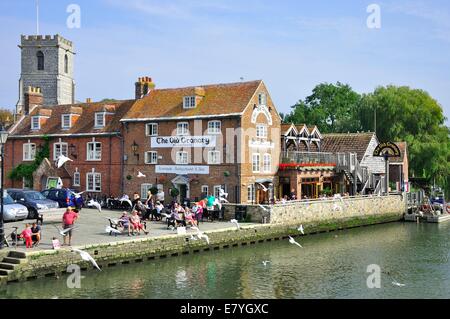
column 88, row 133
column 200, row 139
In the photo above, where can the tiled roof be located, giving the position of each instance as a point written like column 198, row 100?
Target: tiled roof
column 403, row 150
column 221, row 99
column 84, row 124
column 285, row 128
column 347, row 143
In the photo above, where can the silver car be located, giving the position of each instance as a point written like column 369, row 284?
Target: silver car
column 12, row 211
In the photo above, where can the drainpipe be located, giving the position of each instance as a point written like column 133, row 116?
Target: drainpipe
column 110, row 165
column 122, row 164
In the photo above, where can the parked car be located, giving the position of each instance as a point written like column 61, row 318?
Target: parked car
column 64, row 196
column 13, row 211
column 35, row 202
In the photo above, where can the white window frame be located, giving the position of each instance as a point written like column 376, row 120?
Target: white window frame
column 262, row 99
column 217, row 189
column 63, row 117
column 205, row 190
column 144, row 189
column 256, row 164
column 151, row 129
column 189, row 102
column 33, row 126
column 61, row 145
column 27, row 150
column 92, row 157
column 151, row 158
column 183, row 128
column 267, row 163
column 214, row 158
column 77, row 179
column 251, row 193
column 180, row 158
column 213, row 128
column 96, row 181
column 103, row 114
column 261, row 131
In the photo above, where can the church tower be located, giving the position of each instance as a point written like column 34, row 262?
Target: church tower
column 48, row 64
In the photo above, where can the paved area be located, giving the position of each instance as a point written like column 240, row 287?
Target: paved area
column 91, row 229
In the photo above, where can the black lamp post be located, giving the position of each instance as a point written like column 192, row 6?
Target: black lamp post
column 3, row 139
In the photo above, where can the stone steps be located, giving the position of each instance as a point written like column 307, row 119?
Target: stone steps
column 17, row 254
column 5, row 272
column 4, row 265
column 12, row 260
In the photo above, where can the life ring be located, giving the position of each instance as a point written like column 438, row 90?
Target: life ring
column 448, row 208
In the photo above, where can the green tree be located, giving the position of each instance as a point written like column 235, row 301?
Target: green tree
column 332, row 107
column 411, row 115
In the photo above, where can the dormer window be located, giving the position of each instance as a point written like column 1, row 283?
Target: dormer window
column 262, row 99
column 66, row 121
column 189, row 102
column 100, row 119
column 36, row 123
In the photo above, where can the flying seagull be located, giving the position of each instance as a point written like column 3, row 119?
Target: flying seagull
column 95, row 204
column 263, row 208
column 222, row 193
column 293, row 242
column 395, row 283
column 140, row 175
column 62, row 160
column 300, row 229
column 223, row 200
column 77, row 195
column 218, row 203
column 200, row 234
column 264, row 188
column 234, row 221
column 85, row 256
column 110, row 230
column 63, row 232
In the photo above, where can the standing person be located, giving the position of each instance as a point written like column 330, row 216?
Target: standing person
column 26, row 234
column 68, row 221
column 149, row 206
column 138, row 205
column 160, row 196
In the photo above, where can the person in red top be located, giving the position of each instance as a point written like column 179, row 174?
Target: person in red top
column 68, row 221
column 26, row 234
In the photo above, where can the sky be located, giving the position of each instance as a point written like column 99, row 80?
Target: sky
column 292, row 45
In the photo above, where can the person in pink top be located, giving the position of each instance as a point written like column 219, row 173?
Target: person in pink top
column 68, row 221
column 26, row 234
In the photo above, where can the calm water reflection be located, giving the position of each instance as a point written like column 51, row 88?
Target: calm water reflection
column 330, row 265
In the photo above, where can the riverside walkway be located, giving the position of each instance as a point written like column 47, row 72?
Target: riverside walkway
column 91, row 226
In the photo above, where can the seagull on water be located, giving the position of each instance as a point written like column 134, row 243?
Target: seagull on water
column 63, row 232
column 395, row 283
column 62, row 160
column 300, row 229
column 266, row 262
column 110, row 230
column 234, row 221
column 85, row 256
column 140, row 175
column 293, row 242
column 93, row 203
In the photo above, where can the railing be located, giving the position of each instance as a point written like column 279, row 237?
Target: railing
column 309, row 158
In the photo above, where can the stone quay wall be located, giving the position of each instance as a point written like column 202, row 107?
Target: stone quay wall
column 316, row 218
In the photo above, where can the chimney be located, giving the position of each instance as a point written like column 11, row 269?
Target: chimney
column 143, row 87
column 33, row 97
column 88, row 100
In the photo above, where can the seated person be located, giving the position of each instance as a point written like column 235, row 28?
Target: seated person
column 175, row 216
column 136, row 224
column 190, row 217
column 36, row 234
column 157, row 211
column 124, row 222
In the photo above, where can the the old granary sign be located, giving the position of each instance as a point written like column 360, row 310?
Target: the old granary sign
column 387, row 149
column 182, row 141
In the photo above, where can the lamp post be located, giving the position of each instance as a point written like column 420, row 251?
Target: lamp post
column 3, row 139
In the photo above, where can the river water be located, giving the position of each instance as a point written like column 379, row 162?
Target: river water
column 331, row 265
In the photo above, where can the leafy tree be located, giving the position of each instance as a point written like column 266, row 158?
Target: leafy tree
column 332, row 107
column 411, row 115
column 6, row 117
